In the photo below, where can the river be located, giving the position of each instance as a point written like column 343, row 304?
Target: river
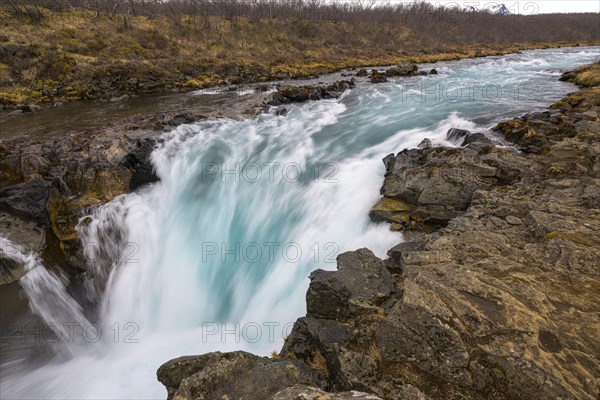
column 216, row 256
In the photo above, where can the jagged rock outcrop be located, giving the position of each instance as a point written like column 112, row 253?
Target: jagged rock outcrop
column 429, row 186
column 496, row 304
column 50, row 182
column 137, row 160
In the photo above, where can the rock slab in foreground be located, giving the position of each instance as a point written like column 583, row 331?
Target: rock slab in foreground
column 237, row 375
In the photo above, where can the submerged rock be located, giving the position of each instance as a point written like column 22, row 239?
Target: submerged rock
column 296, row 94
column 377, row 77
column 403, row 69
column 457, row 136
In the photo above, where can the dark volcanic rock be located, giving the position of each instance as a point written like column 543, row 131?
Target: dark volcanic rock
column 237, row 375
column 311, row 335
column 403, row 69
column 138, row 161
column 10, row 270
column 433, row 185
column 457, row 136
column 27, row 200
column 52, row 181
column 361, row 282
column 296, row 94
column 377, row 77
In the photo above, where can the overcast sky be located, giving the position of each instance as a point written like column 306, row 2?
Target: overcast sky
column 529, row 7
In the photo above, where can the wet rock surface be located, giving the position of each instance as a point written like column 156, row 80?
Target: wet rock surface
column 495, row 292
column 51, row 182
column 24, row 236
column 296, row 94
column 403, row 69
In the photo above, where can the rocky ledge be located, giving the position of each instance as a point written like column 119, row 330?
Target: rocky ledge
column 495, row 293
column 47, row 183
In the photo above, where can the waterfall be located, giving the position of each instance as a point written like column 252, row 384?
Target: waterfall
column 49, row 299
column 216, row 255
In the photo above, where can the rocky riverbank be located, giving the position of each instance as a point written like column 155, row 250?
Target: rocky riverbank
column 494, row 294
column 55, row 54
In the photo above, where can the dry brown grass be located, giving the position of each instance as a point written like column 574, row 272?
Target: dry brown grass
column 79, row 54
column 319, row 364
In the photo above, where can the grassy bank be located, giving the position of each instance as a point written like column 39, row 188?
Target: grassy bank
column 84, row 54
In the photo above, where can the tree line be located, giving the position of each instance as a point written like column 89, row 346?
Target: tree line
column 425, row 22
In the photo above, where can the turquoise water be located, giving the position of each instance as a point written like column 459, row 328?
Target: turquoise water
column 216, row 256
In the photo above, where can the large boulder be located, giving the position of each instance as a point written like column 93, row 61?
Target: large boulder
column 361, row 283
column 237, row 375
column 377, row 77
column 418, row 189
column 310, row 335
column 429, row 186
column 404, row 68
column 296, row 94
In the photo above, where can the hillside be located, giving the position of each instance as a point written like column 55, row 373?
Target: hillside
column 87, row 52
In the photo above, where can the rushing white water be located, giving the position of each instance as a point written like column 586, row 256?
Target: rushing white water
column 48, row 298
column 246, row 209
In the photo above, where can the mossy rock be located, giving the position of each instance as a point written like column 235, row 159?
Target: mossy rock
column 391, row 210
column 389, row 204
column 586, row 76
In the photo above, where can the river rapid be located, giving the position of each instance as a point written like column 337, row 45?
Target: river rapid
column 216, row 256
